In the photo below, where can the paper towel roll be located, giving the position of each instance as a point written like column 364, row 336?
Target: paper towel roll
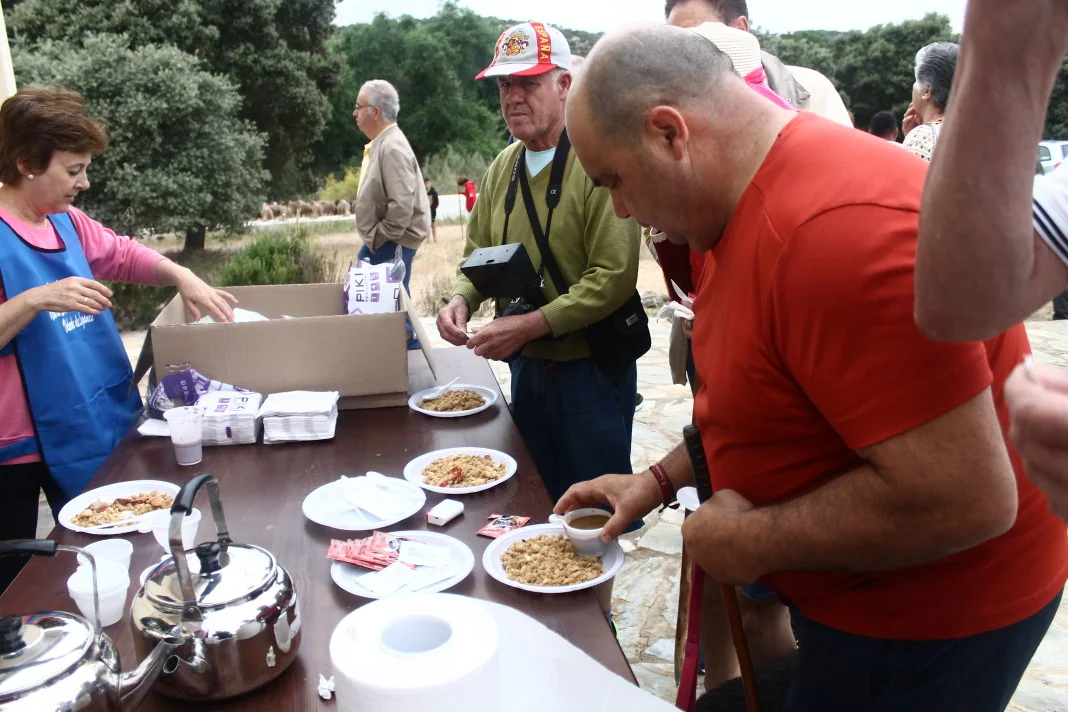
column 417, row 653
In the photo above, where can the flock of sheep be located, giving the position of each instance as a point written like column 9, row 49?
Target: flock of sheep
column 304, row 209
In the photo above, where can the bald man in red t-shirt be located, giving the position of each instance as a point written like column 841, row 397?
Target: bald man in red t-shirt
column 861, row 469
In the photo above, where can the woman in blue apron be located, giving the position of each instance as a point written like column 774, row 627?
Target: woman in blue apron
column 66, row 387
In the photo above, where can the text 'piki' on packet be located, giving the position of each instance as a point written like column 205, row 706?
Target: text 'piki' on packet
column 501, row 524
column 374, row 289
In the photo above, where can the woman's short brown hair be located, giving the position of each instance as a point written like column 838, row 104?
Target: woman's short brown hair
column 38, row 121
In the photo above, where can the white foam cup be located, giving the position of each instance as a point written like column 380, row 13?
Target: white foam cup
column 117, row 551
column 113, row 582
column 160, row 525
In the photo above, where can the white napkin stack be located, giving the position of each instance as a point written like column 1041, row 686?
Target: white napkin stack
column 297, row 416
column 230, row 417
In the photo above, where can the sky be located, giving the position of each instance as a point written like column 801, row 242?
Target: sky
column 601, row 15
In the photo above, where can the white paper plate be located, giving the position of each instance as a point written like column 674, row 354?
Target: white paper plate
column 348, row 576
column 413, row 471
column 491, row 559
column 489, row 394
column 110, row 493
column 327, row 506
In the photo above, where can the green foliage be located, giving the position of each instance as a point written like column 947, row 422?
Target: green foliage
column 432, row 64
column 275, row 260
column 445, row 167
column 1057, row 117
column 873, row 70
column 180, row 158
column 273, row 51
column 341, row 189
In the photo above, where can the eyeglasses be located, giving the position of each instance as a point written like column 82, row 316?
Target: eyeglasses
column 364, row 106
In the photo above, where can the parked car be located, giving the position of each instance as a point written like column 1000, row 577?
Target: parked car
column 1051, row 154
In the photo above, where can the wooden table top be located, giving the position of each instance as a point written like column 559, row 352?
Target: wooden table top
column 262, row 489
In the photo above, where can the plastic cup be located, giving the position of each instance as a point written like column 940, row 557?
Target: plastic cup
column 113, row 583
column 161, row 529
column 117, row 551
column 187, row 435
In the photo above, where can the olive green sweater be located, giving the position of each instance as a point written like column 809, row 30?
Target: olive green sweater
column 597, row 252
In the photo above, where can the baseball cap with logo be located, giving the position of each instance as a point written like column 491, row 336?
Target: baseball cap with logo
column 528, row 50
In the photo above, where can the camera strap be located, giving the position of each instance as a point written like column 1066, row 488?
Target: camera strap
column 552, row 199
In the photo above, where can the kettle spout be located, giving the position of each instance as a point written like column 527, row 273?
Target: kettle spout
column 134, row 685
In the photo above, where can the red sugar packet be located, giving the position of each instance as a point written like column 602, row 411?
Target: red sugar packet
column 376, row 552
column 500, row 524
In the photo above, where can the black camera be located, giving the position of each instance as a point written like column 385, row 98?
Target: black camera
column 506, row 272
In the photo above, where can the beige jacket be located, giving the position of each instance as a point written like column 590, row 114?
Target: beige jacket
column 391, row 205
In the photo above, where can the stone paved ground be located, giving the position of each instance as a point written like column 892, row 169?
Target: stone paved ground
column 645, row 601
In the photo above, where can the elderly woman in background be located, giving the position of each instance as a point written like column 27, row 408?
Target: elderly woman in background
column 66, row 391
column 935, row 65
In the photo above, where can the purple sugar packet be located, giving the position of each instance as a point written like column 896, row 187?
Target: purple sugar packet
column 184, row 387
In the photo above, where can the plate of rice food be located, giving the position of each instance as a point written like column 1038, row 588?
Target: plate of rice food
column 459, row 401
column 115, row 503
column 540, row 558
column 460, row 470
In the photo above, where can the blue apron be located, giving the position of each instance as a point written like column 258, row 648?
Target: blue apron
column 74, row 368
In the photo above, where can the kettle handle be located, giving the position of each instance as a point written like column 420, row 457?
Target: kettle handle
column 49, row 548
column 28, row 547
column 183, row 505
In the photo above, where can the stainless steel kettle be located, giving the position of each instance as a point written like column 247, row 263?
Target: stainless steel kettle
column 60, row 662
column 232, row 605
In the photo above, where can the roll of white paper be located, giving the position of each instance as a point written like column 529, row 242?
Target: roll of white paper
column 417, row 653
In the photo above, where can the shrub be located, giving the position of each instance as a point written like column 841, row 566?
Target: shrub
column 275, row 260
column 344, row 189
column 181, row 158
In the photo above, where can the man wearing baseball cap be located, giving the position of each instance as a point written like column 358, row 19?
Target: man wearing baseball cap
column 572, row 398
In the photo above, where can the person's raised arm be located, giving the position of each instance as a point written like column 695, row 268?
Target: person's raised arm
column 981, row 267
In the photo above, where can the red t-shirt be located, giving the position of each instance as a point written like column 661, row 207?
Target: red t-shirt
column 806, row 339
column 471, row 194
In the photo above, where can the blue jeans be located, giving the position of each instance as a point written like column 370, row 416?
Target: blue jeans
column 840, row 672
column 575, row 419
column 386, row 253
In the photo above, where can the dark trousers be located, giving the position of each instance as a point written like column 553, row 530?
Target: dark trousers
column 22, row 485
column 840, row 672
column 387, row 253
column 1060, row 306
column 575, row 418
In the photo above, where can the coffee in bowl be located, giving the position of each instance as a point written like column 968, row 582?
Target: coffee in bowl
column 583, row 528
column 589, row 521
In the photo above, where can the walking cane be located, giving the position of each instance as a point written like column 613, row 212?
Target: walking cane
column 462, row 208
column 687, row 696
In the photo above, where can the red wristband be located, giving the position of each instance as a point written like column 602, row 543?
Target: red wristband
column 667, row 490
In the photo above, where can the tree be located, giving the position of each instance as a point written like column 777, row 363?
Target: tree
column 873, row 70
column 432, row 66
column 180, row 159
column 273, row 51
column 1057, row 116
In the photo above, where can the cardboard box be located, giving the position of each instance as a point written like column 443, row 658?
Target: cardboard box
column 362, row 356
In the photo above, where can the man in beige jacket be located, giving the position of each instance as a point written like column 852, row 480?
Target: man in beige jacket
column 392, row 209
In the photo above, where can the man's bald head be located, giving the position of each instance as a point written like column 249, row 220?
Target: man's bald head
column 631, row 71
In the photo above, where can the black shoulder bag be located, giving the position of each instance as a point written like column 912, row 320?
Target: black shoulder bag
column 622, row 336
